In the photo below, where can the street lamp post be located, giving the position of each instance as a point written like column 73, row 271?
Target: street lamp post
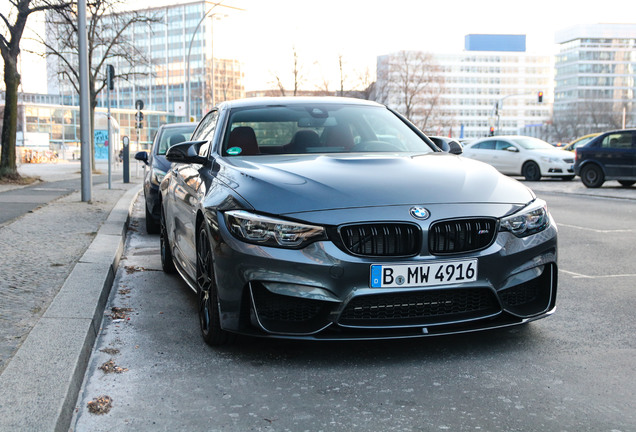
column 188, row 60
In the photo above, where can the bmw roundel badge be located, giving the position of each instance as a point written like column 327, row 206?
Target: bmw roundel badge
column 420, row 213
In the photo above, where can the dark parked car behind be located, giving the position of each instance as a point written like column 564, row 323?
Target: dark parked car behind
column 609, row 156
column 335, row 218
column 167, row 136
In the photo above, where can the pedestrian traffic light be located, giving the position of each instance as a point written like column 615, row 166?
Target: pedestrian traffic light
column 540, row 97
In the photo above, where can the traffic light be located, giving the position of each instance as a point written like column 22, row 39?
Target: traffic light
column 492, row 131
column 540, row 97
column 110, row 77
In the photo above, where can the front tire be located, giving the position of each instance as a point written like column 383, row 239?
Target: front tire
column 568, row 178
column 531, row 171
column 209, row 318
column 592, row 176
column 167, row 262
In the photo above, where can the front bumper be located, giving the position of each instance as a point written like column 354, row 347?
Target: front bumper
column 321, row 292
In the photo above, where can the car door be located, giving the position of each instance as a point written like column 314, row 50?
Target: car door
column 507, row 161
column 483, row 151
column 188, row 195
column 616, row 153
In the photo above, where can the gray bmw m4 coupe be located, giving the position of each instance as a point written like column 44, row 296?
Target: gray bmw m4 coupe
column 335, row 218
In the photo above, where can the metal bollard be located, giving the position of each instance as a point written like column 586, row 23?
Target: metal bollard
column 126, row 158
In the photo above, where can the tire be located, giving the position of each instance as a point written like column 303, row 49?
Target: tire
column 152, row 226
column 531, row 171
column 568, row 178
column 592, row 176
column 208, row 301
column 627, row 183
column 167, row 263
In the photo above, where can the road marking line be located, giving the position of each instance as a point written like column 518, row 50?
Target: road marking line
column 582, row 276
column 595, row 230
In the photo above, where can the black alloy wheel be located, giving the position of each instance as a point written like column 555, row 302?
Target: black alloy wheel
column 531, row 171
column 592, row 176
column 152, row 226
column 167, row 263
column 627, row 183
column 209, row 319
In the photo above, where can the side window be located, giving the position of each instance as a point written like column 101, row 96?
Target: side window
column 485, row 145
column 205, row 130
column 503, row 145
column 617, row 141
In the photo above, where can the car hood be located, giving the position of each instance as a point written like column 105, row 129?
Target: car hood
column 555, row 152
column 292, row 184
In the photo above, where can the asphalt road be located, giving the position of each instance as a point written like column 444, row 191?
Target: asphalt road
column 573, row 371
column 16, row 202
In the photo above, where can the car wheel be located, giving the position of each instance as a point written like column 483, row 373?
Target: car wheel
column 627, row 183
column 152, row 227
column 531, row 171
column 592, row 176
column 167, row 263
column 568, row 178
column 209, row 319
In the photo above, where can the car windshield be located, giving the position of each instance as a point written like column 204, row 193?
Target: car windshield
column 318, row 128
column 529, row 143
column 174, row 135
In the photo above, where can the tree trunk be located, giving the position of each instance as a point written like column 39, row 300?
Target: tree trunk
column 8, row 165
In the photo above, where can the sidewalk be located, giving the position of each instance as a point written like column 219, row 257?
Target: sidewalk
column 58, row 264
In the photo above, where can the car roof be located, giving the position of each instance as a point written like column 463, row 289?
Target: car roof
column 286, row 101
column 178, row 125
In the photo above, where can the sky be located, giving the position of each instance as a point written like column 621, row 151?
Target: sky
column 265, row 34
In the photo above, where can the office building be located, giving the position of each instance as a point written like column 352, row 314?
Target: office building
column 494, row 83
column 595, row 79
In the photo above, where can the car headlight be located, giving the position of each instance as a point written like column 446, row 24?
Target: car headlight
column 550, row 159
column 269, row 231
column 157, row 175
column 529, row 220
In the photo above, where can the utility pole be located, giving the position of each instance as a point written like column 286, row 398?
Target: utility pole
column 85, row 124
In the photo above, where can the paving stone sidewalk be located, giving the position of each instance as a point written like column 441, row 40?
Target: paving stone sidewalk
column 38, row 252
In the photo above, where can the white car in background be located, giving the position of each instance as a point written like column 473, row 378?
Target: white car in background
column 529, row 157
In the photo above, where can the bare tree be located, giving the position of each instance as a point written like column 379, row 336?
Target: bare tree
column 297, row 72
column 413, row 82
column 12, row 28
column 296, row 75
column 109, row 42
column 342, row 74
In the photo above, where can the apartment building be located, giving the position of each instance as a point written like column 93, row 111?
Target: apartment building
column 493, row 83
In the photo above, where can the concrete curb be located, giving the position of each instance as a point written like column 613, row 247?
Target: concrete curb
column 40, row 386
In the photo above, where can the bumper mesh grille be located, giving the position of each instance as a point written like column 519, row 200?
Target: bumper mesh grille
column 385, row 239
column 419, row 308
column 462, row 235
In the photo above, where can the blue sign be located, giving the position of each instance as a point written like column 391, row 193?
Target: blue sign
column 101, row 144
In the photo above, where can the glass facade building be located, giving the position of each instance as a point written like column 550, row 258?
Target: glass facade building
column 595, row 78
column 176, row 44
column 483, row 89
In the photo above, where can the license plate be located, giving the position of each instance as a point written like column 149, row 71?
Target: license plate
column 423, row 274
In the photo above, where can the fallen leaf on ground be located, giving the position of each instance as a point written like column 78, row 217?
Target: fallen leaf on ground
column 100, row 405
column 111, row 367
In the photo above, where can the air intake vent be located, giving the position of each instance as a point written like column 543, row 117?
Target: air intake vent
column 385, row 239
column 460, row 236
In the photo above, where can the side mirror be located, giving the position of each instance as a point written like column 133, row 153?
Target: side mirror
column 142, row 156
column 455, row 148
column 186, row 152
column 512, row 149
